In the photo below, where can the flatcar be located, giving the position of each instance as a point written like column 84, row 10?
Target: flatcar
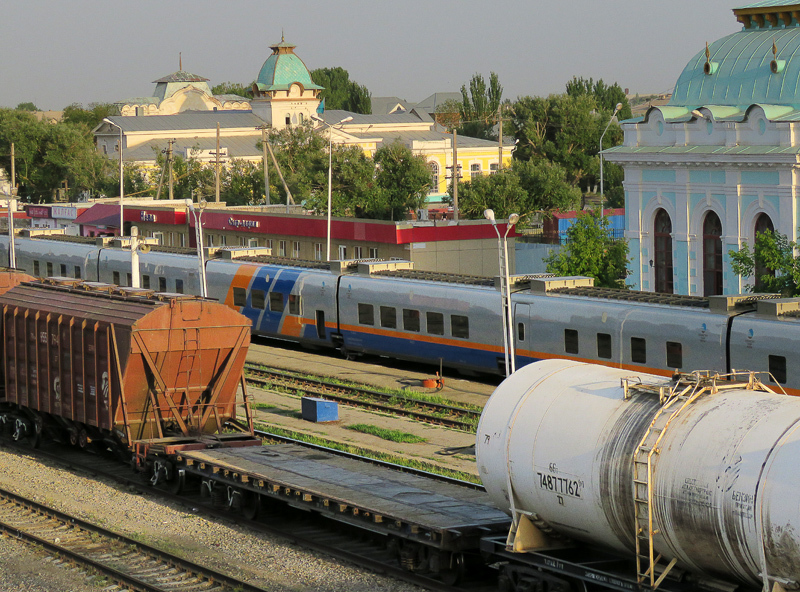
column 388, row 309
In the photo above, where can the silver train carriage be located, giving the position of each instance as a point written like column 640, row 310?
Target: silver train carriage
column 387, row 308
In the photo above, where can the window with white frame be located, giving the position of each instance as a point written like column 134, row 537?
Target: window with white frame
column 318, row 251
column 282, row 248
column 434, row 167
column 252, row 242
column 268, row 246
column 373, row 252
column 159, row 236
column 474, row 169
column 342, row 252
column 358, row 252
column 296, row 249
column 493, row 168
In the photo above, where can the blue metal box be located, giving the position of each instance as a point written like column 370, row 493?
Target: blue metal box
column 319, row 410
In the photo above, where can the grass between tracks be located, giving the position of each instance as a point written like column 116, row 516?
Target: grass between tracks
column 385, row 434
column 398, row 460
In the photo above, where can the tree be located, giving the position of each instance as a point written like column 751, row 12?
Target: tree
column 524, row 188
column 592, row 251
column 27, row 106
column 88, row 118
column 233, row 88
column 606, row 97
column 448, row 114
column 339, row 92
column 48, row 154
column 402, row 181
column 772, row 260
column 479, row 107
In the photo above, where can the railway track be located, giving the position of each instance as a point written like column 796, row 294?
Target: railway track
column 129, row 564
column 417, row 408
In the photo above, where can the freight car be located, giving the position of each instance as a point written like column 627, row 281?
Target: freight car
column 388, row 309
column 88, row 362
column 694, row 479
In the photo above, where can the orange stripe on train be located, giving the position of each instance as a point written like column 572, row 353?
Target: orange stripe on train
column 242, row 278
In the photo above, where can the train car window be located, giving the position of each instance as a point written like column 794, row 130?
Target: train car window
column 129, row 279
column 638, row 350
column 239, row 297
column 49, row 269
column 179, row 286
column 604, row 346
column 777, row 367
column 162, row 284
column 276, row 302
column 294, row 304
column 389, row 317
column 570, row 341
column 674, row 355
column 146, row 282
column 115, row 278
column 77, row 272
column 366, row 314
column 459, row 326
column 36, row 269
column 411, row 319
column 435, row 323
column 520, row 331
column 63, row 270
column 257, row 299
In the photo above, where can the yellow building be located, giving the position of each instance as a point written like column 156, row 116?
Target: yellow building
column 184, row 110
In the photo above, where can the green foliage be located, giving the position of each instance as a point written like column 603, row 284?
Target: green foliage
column 448, row 114
column 26, row 106
column 592, row 251
column 88, row 118
column 773, row 261
column 524, row 188
column 479, row 106
column 340, row 92
column 48, row 154
column 402, row 182
column 233, row 88
column 386, row 434
column 606, row 97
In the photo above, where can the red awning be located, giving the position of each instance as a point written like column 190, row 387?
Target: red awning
column 100, row 215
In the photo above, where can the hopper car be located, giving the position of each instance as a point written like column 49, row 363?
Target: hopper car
column 387, row 308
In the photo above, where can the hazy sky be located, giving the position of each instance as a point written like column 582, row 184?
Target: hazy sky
column 58, row 53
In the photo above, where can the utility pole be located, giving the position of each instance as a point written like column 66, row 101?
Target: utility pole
column 216, row 195
column 263, row 129
column 455, row 175
column 500, row 138
column 12, row 252
column 169, row 164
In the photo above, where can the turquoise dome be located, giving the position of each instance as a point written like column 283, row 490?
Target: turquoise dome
column 282, row 69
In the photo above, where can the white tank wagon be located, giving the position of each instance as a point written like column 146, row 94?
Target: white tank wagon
column 699, row 474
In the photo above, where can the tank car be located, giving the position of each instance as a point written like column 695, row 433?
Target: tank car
column 695, row 477
column 85, row 361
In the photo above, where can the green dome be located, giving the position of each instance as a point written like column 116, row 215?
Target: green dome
column 741, row 70
column 282, row 69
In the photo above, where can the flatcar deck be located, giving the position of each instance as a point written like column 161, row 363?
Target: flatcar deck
column 440, row 514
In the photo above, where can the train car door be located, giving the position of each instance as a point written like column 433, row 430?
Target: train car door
column 522, row 334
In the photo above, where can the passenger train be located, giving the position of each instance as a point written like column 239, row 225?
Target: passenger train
column 388, row 309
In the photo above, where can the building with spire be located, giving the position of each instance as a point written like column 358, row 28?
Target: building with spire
column 721, row 161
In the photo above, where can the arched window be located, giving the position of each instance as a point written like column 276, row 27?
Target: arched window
column 712, row 255
column 663, row 252
column 434, row 166
column 763, row 224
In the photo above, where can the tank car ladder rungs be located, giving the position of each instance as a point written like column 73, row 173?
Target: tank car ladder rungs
column 647, row 562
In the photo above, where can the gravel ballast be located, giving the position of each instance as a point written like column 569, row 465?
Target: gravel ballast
column 270, row 562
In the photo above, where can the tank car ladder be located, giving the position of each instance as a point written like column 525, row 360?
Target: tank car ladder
column 673, row 402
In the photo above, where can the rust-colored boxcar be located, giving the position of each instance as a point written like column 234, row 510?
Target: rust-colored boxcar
column 95, row 360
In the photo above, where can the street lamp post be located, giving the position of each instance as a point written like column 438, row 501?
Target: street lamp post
column 602, row 194
column 330, row 168
column 121, row 179
column 505, row 289
column 198, row 230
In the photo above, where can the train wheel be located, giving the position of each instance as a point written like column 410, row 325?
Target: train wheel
column 251, row 505
column 176, row 484
column 452, row 573
column 83, row 438
column 73, row 436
